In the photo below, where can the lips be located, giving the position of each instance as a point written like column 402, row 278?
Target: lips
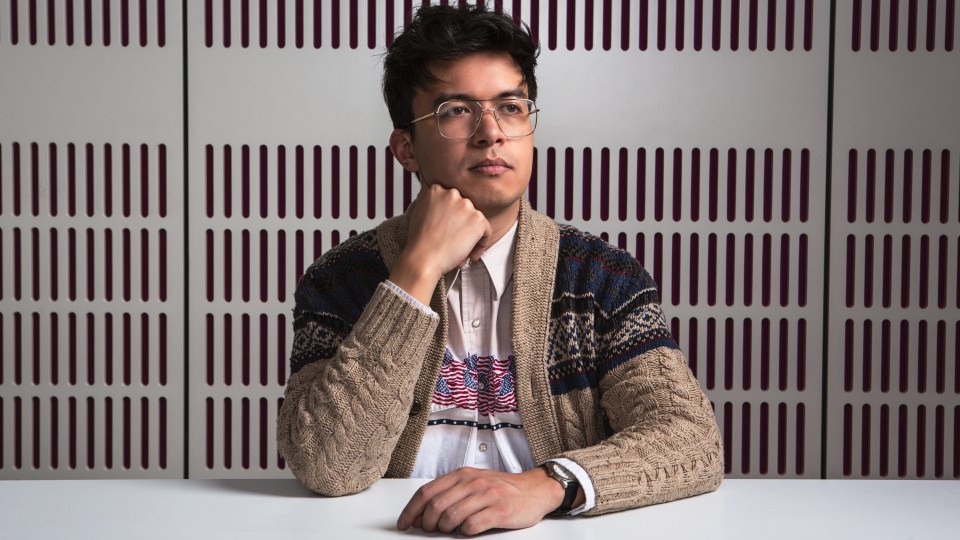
column 491, row 166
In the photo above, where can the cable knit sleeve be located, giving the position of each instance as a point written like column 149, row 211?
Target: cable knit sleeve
column 358, row 350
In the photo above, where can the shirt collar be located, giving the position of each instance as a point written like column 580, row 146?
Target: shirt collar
column 498, row 260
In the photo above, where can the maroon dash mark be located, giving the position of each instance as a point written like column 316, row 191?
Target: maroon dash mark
column 264, row 181
column 907, row 185
column 790, row 23
column 942, row 274
column 125, row 178
column 371, row 24
column 784, row 275
column 552, row 24
column 661, row 25
column 16, row 177
column 785, row 182
column 748, row 270
column 226, row 23
column 281, row 181
column 532, row 185
column 91, row 275
column 902, row 442
column 245, row 265
column 643, row 19
column 264, row 353
column 71, row 180
column 771, row 25
column 932, row 25
column 694, row 185
column 371, row 181
column 678, row 41
column 752, row 25
column 32, row 20
column 765, row 354
column 162, row 353
column 108, row 264
column 281, row 266
column 625, row 25
column 783, row 355
column 318, row 23
column 388, row 179
column 944, row 186
column 35, row 262
column 658, row 185
column 71, row 433
column 694, row 271
column 607, row 24
column 35, row 344
column 209, row 432
column 941, row 360
column 161, row 23
column 335, row 21
column 894, row 24
column 766, row 269
column 847, row 440
column 698, row 25
column 641, row 183
column 143, row 23
column 297, row 180
column 109, row 344
column 245, row 181
column 730, row 257
column 145, row 433
column 87, row 22
column 210, row 348
column 924, row 291
column 162, row 438
column 851, row 269
column 734, row 25
column 925, row 174
column 335, row 182
column 727, row 437
column 281, row 24
column 551, row 181
column 298, row 255
column 604, row 182
column 127, row 349
column 54, row 188
column 658, row 262
column 748, row 357
column 857, row 22
column 745, row 438
column 922, row 357
column 912, row 25
column 17, row 265
column 51, row 26
column 210, row 264
column 711, row 347
column 263, row 433
column 728, row 340
column 34, row 179
column 144, row 180
column 245, row 349
column 317, row 182
column 749, row 183
column 245, row 433
column 675, row 263
column 264, row 265
column 263, row 24
column 764, row 450
column 938, row 443
column 244, row 23
column 36, row 432
column 55, row 265
column 712, row 269
column 127, row 433
column 888, row 186
column 17, row 430
column 568, row 184
column 353, row 180
column 587, row 188
column 125, row 22
column 227, row 349
column 281, row 350
column 622, row 182
column 692, row 347
column 209, row 179
column 677, row 194
column 713, row 197
column 949, row 28
column 715, row 38
column 144, row 264
column 354, row 21
column 875, row 25
column 105, row 21
column 732, row 184
column 904, row 356
column 208, row 23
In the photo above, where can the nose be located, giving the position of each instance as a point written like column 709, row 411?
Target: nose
column 488, row 132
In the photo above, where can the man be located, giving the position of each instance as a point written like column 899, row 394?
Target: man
column 524, row 365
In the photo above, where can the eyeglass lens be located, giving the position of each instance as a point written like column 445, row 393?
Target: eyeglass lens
column 460, row 119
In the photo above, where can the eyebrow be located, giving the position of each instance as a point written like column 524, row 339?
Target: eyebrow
column 446, row 96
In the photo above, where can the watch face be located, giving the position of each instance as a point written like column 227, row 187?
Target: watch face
column 558, row 471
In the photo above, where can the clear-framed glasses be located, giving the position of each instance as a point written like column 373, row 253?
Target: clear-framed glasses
column 460, row 118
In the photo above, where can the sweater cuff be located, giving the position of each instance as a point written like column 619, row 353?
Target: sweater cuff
column 391, row 323
column 397, row 289
column 589, row 494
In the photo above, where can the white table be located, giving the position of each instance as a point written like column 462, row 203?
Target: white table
column 209, row 509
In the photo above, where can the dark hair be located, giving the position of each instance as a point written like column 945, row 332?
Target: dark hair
column 448, row 33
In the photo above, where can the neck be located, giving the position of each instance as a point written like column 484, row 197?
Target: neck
column 501, row 221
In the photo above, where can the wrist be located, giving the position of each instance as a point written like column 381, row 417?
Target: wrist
column 415, row 277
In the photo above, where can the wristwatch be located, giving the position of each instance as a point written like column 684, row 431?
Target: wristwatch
column 570, row 486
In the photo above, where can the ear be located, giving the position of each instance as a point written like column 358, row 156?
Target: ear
column 401, row 144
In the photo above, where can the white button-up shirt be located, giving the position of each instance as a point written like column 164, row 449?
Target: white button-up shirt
column 474, row 419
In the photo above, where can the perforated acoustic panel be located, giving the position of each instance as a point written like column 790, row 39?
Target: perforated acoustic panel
column 695, row 134
column 894, row 392
column 91, row 236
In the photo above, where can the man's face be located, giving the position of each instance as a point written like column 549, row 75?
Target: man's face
column 489, row 169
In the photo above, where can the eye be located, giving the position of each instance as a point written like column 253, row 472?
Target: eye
column 510, row 108
column 454, row 110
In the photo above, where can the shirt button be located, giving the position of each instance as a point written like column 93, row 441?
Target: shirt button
column 483, row 447
column 480, row 385
column 475, row 323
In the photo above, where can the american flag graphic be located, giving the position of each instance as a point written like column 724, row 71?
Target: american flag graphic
column 480, row 383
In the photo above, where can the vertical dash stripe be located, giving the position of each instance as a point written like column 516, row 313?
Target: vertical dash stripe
column 162, row 439
column 768, row 185
column 948, row 23
column 209, row 432
column 942, row 273
column 764, row 465
column 208, row 23
column 695, row 185
column 91, row 265
column 766, row 269
column 125, row 22
column 127, row 433
column 281, row 266
column 125, row 175
column 35, row 346
column 281, row 350
column 749, row 181
column 711, row 347
column 281, row 24
column 353, row 181
column 227, row 181
column 924, row 291
column 679, row 25
column 677, row 195
column 748, row 270
column 245, row 265
column 34, row 179
column 105, row 22
column 925, row 181
column 851, row 269
column 765, row 355
column 732, row 184
column 264, row 265
column 786, row 190
column 855, row 31
column 263, row 23
column 643, row 15
column 728, row 340
column 888, row 186
column 572, row 25
column 604, row 183
column 905, row 272
column 922, row 357
column 587, row 179
column 317, row 181
column 54, row 187
column 209, row 179
column 692, row 346
column 263, row 433
column 568, row 188
column 752, row 25
column 244, row 35
column 944, row 186
column 143, row 23
column 71, row 179
column 734, row 24
column 784, row 354
column 747, row 355
column 865, row 440
column 335, row 22
column 245, row 433
column 68, row 23
column 371, row 24
column 354, row 24
column 282, row 181
column 730, row 256
column 802, row 355
column 675, row 263
column 227, row 349
column 727, row 437
column 35, row 262
column 911, row 25
column 264, row 352
column 875, row 25
column 894, row 27
column 931, row 26
column 938, row 442
column 298, row 23
column 713, row 183
column 694, row 271
column 318, row 23
column 661, row 25
column 789, row 28
column 55, row 265
column 802, row 266
column 552, row 24
column 771, row 25
column 847, row 440
column 658, row 262
column 712, row 269
column 145, row 433
column 144, row 264
column 227, row 36
column 298, row 182
column 245, row 349
column 264, row 181
column 335, row 182
column 698, row 25
column 641, row 183
column 227, row 433
column 745, row 438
